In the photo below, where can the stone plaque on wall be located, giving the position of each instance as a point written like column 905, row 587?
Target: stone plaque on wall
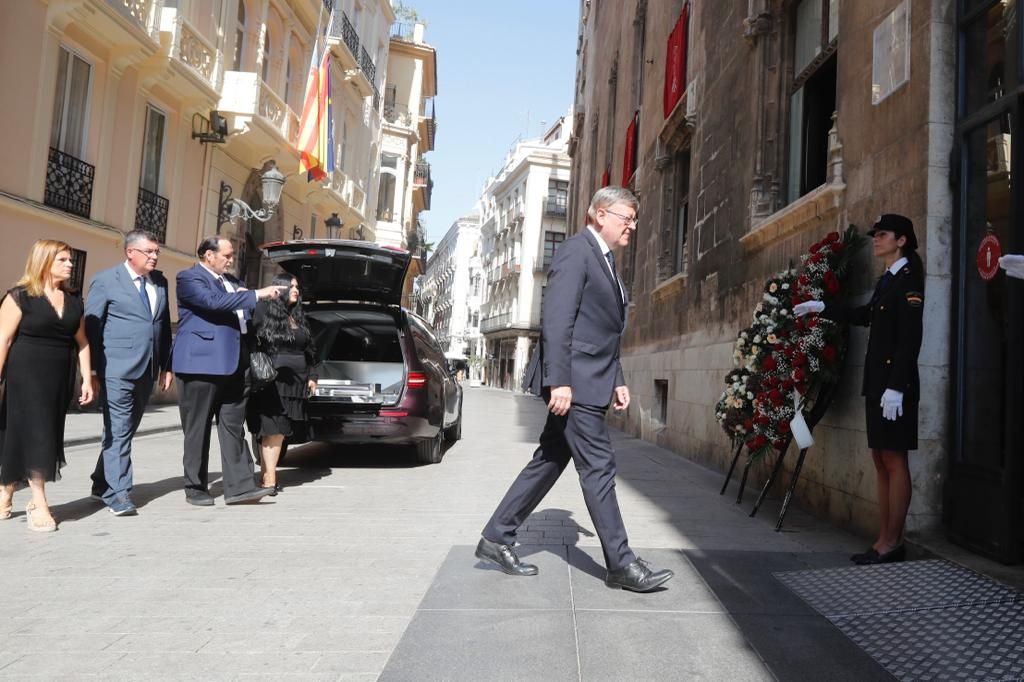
column 890, row 64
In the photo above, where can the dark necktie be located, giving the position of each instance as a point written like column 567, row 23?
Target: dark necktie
column 220, row 283
column 883, row 283
column 610, row 257
column 144, row 295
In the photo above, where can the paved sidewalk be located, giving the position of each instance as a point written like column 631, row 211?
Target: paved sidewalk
column 362, row 569
column 81, row 428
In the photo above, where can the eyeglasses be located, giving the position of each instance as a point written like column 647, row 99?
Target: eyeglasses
column 150, row 253
column 624, row 218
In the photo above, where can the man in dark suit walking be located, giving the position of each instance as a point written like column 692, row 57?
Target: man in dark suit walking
column 210, row 360
column 576, row 370
column 128, row 322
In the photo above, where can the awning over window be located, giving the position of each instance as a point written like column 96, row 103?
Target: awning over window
column 675, row 61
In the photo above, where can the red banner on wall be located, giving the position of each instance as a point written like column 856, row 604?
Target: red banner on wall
column 675, row 61
column 606, row 177
column 629, row 158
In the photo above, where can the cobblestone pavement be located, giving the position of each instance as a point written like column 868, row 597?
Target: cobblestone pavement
column 337, row 577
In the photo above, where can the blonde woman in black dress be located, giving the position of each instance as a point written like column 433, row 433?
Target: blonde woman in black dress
column 41, row 330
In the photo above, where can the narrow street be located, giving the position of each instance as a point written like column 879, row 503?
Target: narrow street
column 362, row 568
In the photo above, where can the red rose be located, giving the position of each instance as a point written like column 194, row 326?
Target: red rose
column 799, row 359
column 801, row 388
column 803, row 280
column 832, row 237
column 798, row 374
column 829, row 353
column 762, row 420
column 760, row 442
column 783, row 427
column 748, row 425
column 788, row 384
column 837, row 248
column 815, row 247
column 775, row 395
column 816, row 258
column 811, row 322
column 769, row 364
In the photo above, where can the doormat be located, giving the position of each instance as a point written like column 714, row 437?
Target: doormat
column 922, row 620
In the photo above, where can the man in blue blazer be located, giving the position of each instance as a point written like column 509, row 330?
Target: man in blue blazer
column 210, row 358
column 577, row 371
column 128, row 322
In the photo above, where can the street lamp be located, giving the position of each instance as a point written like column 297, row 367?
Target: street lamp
column 333, row 224
column 231, row 209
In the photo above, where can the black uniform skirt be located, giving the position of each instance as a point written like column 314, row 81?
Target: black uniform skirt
column 884, row 434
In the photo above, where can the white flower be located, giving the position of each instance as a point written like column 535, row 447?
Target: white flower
column 755, row 350
column 785, row 286
column 772, row 339
column 750, row 395
column 757, row 338
column 773, row 288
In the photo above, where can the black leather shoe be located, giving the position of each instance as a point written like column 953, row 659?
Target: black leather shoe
column 199, row 498
column 504, row 557
column 248, row 496
column 893, row 556
column 865, row 557
column 638, row 577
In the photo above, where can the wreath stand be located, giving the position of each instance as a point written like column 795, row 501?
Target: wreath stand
column 822, row 401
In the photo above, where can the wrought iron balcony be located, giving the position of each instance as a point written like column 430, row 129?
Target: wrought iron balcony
column 398, row 115
column 428, row 122
column 555, row 208
column 422, row 174
column 403, row 31
column 342, row 28
column 495, row 322
column 69, row 183
column 367, row 65
column 151, row 214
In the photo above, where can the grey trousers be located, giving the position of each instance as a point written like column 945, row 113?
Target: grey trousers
column 582, row 436
column 124, row 401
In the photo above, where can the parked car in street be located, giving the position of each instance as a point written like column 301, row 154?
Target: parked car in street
column 383, row 377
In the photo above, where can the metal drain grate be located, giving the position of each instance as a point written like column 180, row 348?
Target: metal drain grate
column 922, row 620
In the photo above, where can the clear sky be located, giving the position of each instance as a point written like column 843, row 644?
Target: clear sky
column 501, row 66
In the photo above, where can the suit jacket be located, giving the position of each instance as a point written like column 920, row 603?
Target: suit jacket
column 582, row 321
column 209, row 339
column 126, row 340
column 896, row 322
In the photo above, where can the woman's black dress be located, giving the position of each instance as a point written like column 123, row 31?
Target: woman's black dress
column 40, row 372
column 280, row 408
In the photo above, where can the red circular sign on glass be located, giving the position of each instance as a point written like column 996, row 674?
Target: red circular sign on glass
column 988, row 257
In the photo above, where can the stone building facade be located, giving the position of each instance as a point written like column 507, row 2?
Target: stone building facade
column 792, row 119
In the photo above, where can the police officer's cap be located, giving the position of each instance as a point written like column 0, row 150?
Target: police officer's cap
column 900, row 226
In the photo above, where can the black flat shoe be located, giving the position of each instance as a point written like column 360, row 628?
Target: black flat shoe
column 893, row 556
column 504, row 557
column 865, row 557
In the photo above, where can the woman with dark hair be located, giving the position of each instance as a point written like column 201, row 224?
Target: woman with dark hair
column 891, row 385
column 278, row 411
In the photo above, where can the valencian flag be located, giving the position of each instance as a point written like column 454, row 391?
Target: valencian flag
column 316, row 132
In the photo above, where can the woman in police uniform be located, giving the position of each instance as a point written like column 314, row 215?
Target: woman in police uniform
column 891, row 386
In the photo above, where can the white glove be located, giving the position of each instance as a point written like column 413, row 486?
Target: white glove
column 801, row 309
column 1013, row 264
column 892, row 404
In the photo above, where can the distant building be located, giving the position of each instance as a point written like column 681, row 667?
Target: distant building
column 405, row 185
column 451, row 288
column 523, row 222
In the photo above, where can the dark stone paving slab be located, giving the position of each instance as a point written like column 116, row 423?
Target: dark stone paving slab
column 978, row 642
column 465, row 582
column 795, row 642
column 631, row 645
column 893, row 588
column 686, row 592
column 486, row 645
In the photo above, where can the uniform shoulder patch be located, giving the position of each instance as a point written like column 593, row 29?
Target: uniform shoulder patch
column 915, row 298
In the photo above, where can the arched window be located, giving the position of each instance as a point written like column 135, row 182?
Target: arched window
column 239, row 37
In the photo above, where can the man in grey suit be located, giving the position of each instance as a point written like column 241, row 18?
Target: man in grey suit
column 128, row 322
column 576, row 370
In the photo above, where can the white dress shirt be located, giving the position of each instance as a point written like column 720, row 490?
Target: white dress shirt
column 150, row 288
column 230, row 289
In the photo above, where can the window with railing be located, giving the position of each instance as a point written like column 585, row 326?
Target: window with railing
column 69, row 179
column 77, row 281
column 558, row 198
column 551, row 242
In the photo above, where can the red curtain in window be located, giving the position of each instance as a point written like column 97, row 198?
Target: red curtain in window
column 675, row 61
column 629, row 158
column 606, row 177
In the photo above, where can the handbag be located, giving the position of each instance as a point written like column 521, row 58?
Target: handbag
column 261, row 370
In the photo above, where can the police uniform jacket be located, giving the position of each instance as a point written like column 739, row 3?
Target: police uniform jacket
column 894, row 315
